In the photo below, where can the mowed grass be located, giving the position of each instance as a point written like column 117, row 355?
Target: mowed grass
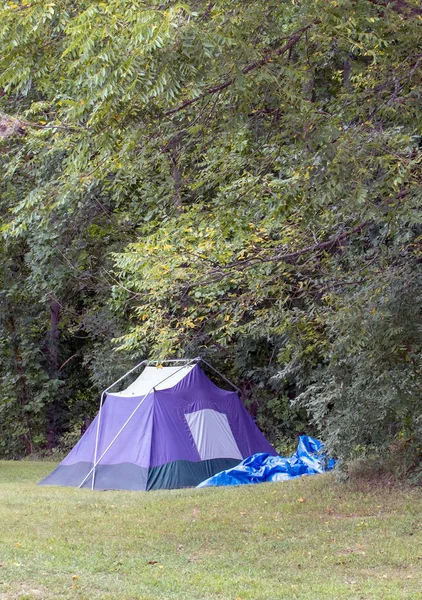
column 308, row 539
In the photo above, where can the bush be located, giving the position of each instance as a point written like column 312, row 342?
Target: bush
column 368, row 394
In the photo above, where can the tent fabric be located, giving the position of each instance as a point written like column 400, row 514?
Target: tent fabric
column 308, row 459
column 171, row 437
column 160, row 378
column 212, row 434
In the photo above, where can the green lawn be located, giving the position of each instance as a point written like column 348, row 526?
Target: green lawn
column 306, row 539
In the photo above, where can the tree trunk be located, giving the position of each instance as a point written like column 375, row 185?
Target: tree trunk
column 22, row 386
column 53, row 369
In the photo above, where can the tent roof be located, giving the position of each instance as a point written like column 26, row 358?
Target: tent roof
column 160, row 378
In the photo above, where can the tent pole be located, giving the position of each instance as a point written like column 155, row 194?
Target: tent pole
column 96, row 462
column 99, row 414
column 222, row 376
column 96, row 437
column 176, row 360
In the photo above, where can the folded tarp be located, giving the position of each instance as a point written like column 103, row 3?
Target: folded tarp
column 309, row 459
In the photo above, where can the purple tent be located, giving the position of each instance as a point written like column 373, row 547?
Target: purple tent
column 171, row 428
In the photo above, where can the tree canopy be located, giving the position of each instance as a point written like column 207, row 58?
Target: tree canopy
column 240, row 179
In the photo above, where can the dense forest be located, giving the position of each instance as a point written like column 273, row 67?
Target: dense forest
column 237, row 180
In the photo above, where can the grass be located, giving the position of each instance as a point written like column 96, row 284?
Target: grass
column 307, row 539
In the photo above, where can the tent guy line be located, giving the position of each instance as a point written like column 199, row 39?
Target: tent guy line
column 99, row 414
column 123, row 426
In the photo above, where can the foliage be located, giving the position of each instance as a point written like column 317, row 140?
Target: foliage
column 368, row 395
column 223, row 178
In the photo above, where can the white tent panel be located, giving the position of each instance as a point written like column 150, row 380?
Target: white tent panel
column 160, row 378
column 212, row 434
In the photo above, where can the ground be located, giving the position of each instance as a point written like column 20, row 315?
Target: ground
column 311, row 538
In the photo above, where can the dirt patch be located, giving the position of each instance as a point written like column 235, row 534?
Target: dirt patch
column 353, row 550
column 23, row 592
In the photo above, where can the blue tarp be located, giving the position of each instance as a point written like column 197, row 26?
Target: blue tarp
column 308, row 459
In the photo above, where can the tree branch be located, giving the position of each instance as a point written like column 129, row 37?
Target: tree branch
column 289, row 257
column 269, row 56
column 400, row 6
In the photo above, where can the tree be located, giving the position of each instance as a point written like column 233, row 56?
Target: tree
column 256, row 164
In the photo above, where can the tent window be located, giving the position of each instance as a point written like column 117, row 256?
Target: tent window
column 212, row 434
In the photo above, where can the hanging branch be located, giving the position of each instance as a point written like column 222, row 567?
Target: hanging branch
column 270, row 55
column 400, row 6
column 221, row 272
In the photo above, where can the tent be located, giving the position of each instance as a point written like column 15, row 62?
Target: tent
column 171, row 428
